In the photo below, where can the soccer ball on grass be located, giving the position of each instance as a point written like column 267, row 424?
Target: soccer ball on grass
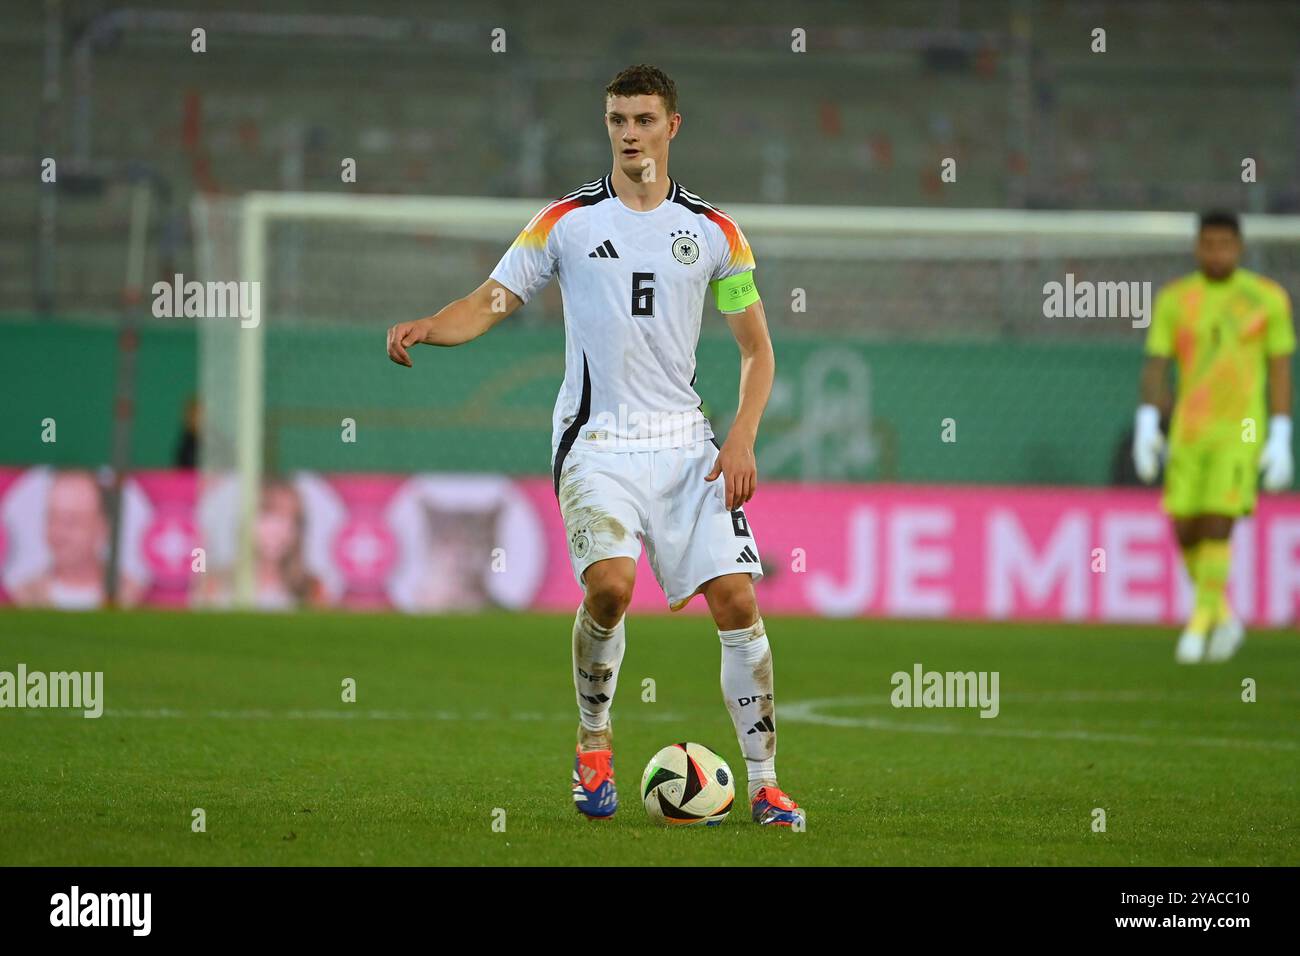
column 687, row 784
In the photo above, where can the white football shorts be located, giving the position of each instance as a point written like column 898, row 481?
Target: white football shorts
column 614, row 501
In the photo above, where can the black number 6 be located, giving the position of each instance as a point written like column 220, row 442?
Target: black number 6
column 643, row 296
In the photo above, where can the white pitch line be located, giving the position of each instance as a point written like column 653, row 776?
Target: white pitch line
column 806, row 712
column 1137, row 696
column 1091, row 697
column 168, row 713
column 798, row 711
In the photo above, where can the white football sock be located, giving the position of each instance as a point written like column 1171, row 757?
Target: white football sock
column 597, row 654
column 747, row 688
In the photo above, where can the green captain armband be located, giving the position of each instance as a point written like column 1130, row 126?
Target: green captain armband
column 735, row 293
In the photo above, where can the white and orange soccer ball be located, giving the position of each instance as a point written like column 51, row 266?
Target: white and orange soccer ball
column 687, row 784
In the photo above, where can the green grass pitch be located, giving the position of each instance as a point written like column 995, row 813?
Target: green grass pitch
column 241, row 715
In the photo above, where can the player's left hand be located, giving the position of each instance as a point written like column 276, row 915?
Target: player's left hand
column 736, row 464
column 1275, row 461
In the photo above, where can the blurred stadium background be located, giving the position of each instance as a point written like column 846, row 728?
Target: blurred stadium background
column 920, row 307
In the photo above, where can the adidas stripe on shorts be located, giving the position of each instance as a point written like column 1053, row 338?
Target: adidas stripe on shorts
column 614, row 501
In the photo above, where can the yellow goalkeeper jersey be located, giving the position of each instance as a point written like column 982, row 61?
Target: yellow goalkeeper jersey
column 1222, row 334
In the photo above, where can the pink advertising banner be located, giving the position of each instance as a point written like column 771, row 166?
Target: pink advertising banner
column 438, row 542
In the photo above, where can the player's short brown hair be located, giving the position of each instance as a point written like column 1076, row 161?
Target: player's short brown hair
column 650, row 80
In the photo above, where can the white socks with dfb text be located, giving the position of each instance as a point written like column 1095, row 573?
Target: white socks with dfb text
column 747, row 688
column 597, row 654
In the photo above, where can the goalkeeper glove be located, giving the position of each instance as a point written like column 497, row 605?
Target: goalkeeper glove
column 1148, row 443
column 1275, row 461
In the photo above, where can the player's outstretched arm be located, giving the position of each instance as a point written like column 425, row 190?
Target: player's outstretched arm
column 757, row 371
column 459, row 322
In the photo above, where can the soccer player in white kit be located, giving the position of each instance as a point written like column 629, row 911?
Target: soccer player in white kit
column 635, row 460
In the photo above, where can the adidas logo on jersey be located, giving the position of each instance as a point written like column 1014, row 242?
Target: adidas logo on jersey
column 604, row 251
column 747, row 556
column 764, row 726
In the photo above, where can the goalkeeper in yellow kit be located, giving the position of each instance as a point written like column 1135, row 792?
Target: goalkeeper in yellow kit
column 1229, row 331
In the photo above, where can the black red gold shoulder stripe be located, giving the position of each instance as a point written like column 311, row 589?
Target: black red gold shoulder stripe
column 741, row 256
column 539, row 227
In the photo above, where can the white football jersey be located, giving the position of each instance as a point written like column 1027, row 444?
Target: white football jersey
column 634, row 287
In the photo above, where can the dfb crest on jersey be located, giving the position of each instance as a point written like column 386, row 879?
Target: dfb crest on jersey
column 685, row 249
column 580, row 543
